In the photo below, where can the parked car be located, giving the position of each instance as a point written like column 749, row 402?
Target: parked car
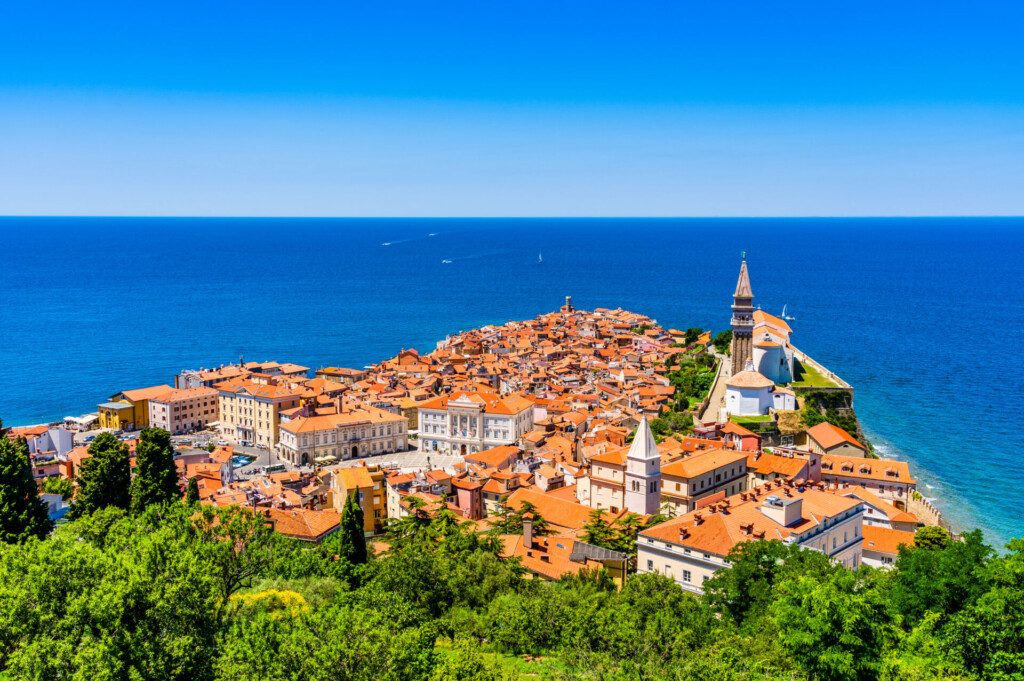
column 222, row 443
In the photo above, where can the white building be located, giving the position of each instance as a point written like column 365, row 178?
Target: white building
column 354, row 432
column 772, row 354
column 467, row 422
column 749, row 393
column 184, row 411
column 692, row 547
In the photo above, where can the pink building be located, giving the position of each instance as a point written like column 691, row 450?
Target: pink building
column 184, row 410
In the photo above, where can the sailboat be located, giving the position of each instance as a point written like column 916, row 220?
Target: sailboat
column 787, row 317
column 540, row 258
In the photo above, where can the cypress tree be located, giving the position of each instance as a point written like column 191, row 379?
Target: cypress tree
column 22, row 513
column 351, row 540
column 192, row 491
column 156, row 478
column 105, row 477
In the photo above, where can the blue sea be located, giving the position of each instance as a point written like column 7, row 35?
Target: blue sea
column 925, row 317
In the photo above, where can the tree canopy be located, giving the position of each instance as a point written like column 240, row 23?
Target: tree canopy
column 156, row 478
column 180, row 591
column 22, row 513
column 104, row 478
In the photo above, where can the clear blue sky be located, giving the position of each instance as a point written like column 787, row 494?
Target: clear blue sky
column 512, row 108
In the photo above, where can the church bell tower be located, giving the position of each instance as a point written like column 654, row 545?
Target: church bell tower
column 742, row 321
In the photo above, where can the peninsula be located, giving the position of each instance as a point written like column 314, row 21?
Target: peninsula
column 582, row 491
column 570, row 413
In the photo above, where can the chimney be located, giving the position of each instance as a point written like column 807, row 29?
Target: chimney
column 528, row 531
column 784, row 511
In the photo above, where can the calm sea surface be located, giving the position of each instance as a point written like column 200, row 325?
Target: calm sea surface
column 924, row 317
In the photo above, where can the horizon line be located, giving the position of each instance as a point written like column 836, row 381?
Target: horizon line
column 514, row 217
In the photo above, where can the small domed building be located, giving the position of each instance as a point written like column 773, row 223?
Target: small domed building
column 750, row 393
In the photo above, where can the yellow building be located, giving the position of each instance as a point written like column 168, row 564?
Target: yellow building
column 368, row 483
column 251, row 411
column 129, row 409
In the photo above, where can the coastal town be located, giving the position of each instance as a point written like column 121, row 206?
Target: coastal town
column 583, row 425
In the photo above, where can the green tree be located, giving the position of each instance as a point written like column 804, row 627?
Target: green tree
column 22, row 513
column 692, row 334
column 192, row 491
column 351, row 536
column 943, row 580
column 987, row 637
column 156, row 477
column 411, row 528
column 931, row 537
column 56, row 484
column 835, row 625
column 105, row 477
column 598, row 530
column 722, row 341
column 747, row 588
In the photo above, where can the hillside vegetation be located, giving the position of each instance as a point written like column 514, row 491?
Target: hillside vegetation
column 188, row 592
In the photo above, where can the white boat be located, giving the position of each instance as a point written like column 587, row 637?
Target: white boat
column 540, row 258
column 386, row 243
column 787, row 317
column 446, row 261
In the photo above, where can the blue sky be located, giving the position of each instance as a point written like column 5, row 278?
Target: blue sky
column 512, row 108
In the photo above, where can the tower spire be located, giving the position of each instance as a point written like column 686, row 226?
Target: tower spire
column 742, row 320
column 643, row 472
column 743, row 289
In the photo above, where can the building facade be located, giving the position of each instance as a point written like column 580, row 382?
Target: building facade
column 129, row 409
column 184, row 411
column 702, row 475
column 251, row 412
column 366, row 483
column 352, row 433
column 692, row 548
column 468, row 422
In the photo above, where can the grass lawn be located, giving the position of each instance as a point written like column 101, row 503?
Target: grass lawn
column 756, row 418
column 809, row 377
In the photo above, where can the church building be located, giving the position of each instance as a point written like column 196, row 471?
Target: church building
column 762, row 357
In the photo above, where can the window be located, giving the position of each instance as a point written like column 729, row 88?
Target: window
column 686, row 575
column 650, row 565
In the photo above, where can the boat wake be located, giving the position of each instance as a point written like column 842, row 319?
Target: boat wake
column 395, row 242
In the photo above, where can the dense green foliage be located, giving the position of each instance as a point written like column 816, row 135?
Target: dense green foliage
column 22, row 513
column 189, row 592
column 56, row 484
column 811, row 415
column 104, row 478
column 156, row 478
column 722, row 341
column 692, row 374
